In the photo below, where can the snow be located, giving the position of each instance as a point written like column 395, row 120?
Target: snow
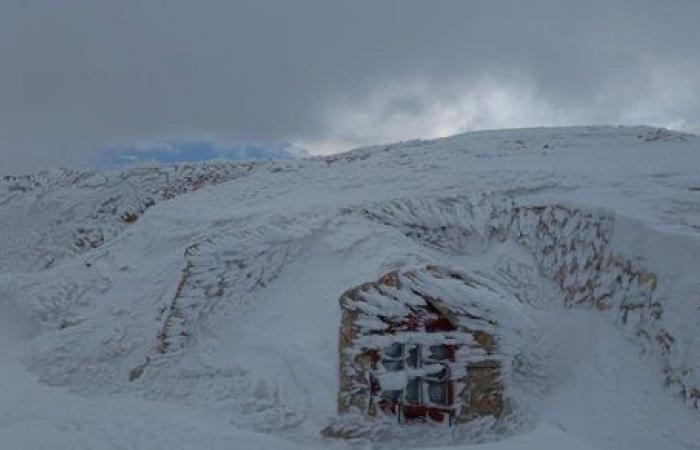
column 43, row 417
column 225, row 294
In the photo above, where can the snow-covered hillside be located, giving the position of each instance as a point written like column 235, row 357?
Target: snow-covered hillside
column 53, row 215
column 199, row 306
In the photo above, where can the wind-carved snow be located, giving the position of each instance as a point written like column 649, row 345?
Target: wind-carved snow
column 571, row 247
column 234, row 264
column 224, row 302
column 53, row 215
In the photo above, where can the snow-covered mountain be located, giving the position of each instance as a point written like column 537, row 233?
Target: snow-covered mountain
column 216, row 305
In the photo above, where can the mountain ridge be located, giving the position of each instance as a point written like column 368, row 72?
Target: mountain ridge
column 222, row 295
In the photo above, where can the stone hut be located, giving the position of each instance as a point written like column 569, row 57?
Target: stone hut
column 420, row 346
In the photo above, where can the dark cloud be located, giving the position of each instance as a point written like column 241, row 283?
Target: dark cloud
column 78, row 76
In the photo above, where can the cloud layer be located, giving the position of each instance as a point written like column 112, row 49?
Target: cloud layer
column 84, row 75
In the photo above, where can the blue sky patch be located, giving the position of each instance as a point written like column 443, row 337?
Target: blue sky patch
column 190, row 151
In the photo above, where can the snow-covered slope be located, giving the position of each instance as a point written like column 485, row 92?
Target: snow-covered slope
column 49, row 216
column 202, row 309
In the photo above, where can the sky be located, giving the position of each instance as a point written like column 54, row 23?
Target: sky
column 189, row 151
column 81, row 77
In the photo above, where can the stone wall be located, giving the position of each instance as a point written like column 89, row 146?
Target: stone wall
column 406, row 306
column 572, row 248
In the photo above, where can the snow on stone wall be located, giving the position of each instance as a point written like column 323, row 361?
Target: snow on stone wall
column 432, row 308
column 572, row 248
